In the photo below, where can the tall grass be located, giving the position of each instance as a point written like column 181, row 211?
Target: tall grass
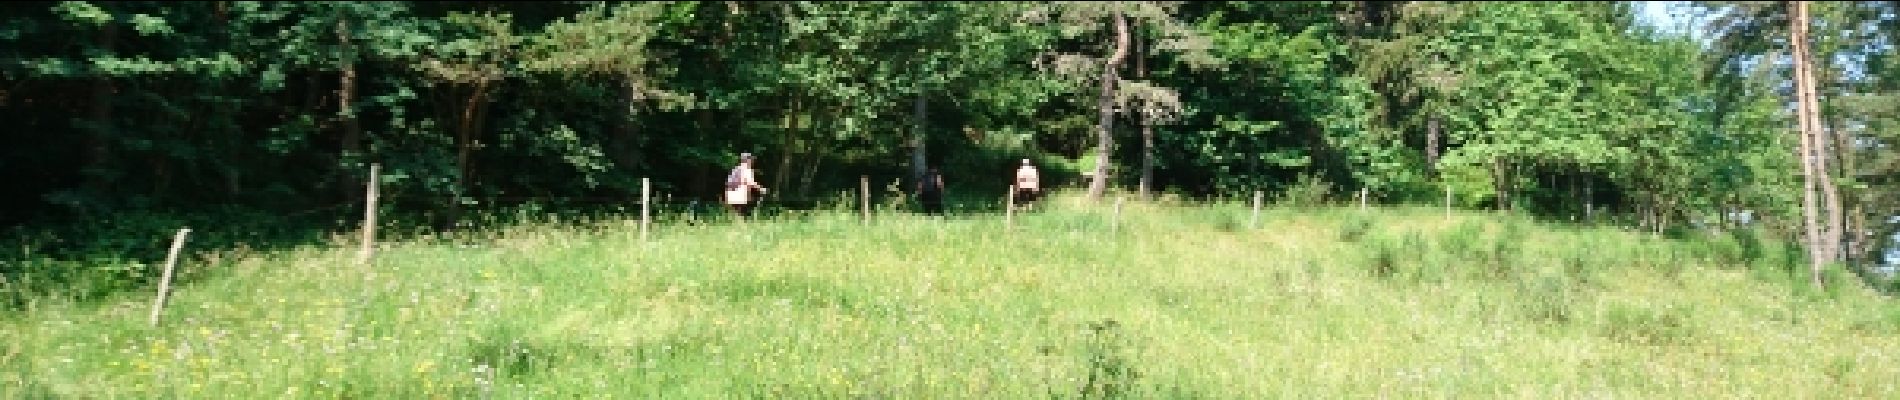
column 1180, row 302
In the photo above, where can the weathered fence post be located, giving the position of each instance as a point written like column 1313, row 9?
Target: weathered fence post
column 1116, row 224
column 1009, row 208
column 369, row 217
column 1254, row 223
column 646, row 208
column 165, row 281
column 864, row 188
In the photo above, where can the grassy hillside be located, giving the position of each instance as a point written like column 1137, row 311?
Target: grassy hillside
column 1177, row 303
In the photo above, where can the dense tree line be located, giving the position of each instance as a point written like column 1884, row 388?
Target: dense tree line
column 1571, row 110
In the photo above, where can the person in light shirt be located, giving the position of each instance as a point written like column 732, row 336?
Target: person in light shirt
column 740, row 184
column 1028, row 184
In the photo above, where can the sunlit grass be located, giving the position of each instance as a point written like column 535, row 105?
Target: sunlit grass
column 1176, row 302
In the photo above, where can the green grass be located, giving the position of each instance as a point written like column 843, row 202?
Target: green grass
column 1179, row 302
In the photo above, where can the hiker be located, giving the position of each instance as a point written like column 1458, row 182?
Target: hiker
column 1028, row 184
column 930, row 192
column 739, row 186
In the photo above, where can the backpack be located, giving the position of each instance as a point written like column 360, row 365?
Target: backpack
column 732, row 179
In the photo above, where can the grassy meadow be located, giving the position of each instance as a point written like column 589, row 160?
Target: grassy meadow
column 1169, row 302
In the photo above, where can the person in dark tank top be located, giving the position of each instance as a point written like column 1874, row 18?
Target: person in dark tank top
column 930, row 192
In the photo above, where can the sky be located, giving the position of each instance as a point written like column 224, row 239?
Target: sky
column 1670, row 16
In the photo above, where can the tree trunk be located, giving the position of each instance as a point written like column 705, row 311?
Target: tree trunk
column 626, row 141
column 1837, row 153
column 699, row 184
column 1811, row 174
column 1856, row 246
column 313, row 98
column 464, row 147
column 1589, row 200
column 919, row 140
column 1431, row 143
column 1147, row 129
column 346, row 91
column 1831, row 228
column 788, row 122
column 465, row 132
column 351, row 139
column 820, row 144
column 1851, row 227
column 1500, row 183
column 817, row 156
column 1105, row 129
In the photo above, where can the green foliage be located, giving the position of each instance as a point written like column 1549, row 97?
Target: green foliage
column 175, row 108
column 83, row 12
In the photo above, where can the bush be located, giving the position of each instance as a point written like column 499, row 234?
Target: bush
column 1462, row 242
column 1639, row 325
column 1427, row 269
column 1580, row 264
column 1308, row 191
column 1506, row 248
column 1550, row 298
column 1382, row 257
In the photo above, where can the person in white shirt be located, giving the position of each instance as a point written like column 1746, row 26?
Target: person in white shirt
column 1028, row 184
column 739, row 186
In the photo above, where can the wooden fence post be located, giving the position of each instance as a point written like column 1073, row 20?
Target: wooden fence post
column 864, row 188
column 1255, row 222
column 1448, row 202
column 646, row 209
column 1009, row 208
column 369, row 217
column 165, row 281
column 1116, row 224
column 1363, row 194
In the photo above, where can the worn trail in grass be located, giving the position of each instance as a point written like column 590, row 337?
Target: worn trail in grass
column 1176, row 302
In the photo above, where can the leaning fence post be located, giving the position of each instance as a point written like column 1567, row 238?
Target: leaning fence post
column 165, row 281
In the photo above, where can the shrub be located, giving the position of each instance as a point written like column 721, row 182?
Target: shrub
column 1308, row 191
column 1550, row 298
column 1382, row 257
column 1644, row 326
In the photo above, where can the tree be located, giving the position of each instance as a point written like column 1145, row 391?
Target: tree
column 474, row 64
column 1821, row 240
column 1077, row 19
column 611, row 42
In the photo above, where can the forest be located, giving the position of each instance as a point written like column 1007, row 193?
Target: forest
column 128, row 119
